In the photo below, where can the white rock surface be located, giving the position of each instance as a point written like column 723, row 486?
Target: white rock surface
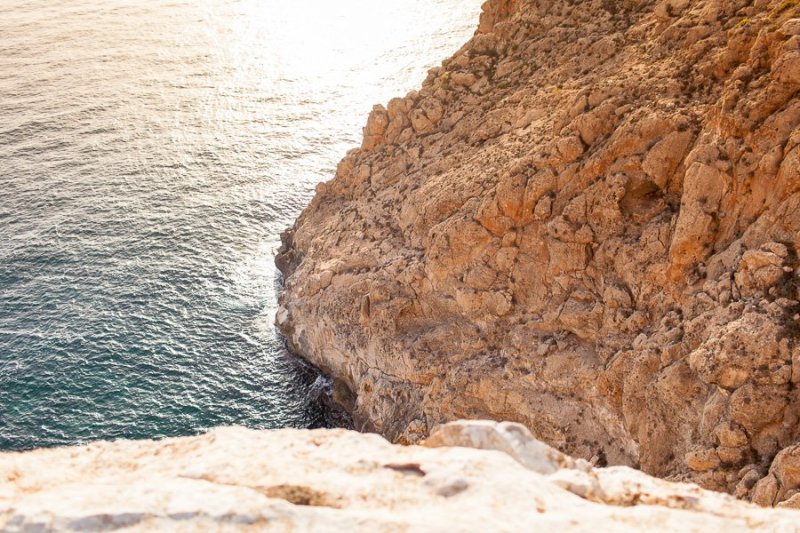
column 330, row 480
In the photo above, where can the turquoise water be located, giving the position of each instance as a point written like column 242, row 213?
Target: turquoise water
column 150, row 154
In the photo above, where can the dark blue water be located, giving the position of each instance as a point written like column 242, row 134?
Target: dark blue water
column 150, row 154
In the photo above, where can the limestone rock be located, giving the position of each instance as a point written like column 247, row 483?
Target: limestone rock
column 235, row 479
column 513, row 439
column 586, row 221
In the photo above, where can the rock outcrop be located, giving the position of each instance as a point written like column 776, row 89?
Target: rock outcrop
column 587, row 221
column 339, row 480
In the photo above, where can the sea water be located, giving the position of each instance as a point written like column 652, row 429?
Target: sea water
column 151, row 151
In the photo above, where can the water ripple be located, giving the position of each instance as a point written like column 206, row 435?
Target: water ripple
column 150, row 154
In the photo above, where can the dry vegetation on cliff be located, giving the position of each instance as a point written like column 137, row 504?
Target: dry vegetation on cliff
column 587, row 220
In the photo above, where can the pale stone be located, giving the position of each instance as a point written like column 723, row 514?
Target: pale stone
column 236, row 479
column 513, row 439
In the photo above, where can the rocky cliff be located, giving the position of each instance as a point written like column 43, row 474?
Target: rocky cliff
column 587, row 221
column 235, row 479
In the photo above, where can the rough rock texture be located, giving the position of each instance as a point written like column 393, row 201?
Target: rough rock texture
column 338, row 480
column 587, row 221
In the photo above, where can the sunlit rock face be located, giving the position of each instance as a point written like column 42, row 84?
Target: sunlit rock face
column 585, row 221
column 498, row 479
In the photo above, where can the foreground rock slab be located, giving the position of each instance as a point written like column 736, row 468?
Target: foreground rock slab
column 499, row 478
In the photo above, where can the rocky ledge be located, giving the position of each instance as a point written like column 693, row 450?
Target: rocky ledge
column 468, row 476
column 586, row 221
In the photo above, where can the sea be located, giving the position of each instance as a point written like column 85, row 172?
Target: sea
column 151, row 152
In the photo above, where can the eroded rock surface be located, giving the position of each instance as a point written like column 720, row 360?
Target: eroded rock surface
column 586, row 221
column 338, row 480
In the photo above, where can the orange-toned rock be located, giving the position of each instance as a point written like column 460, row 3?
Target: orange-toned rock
column 587, row 221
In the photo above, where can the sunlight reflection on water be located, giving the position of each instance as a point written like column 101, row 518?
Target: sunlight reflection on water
column 150, row 154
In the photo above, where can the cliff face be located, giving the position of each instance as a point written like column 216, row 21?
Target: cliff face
column 587, row 221
column 235, row 479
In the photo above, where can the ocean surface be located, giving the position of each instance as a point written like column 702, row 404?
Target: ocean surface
column 151, row 151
